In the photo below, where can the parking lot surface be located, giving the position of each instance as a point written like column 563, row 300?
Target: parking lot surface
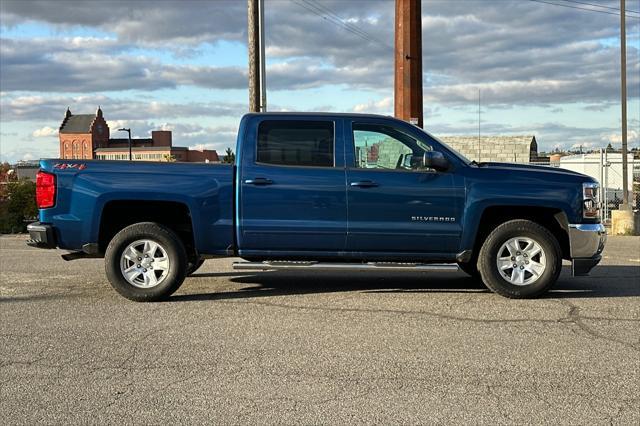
column 243, row 347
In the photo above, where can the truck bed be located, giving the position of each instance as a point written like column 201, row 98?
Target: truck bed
column 86, row 187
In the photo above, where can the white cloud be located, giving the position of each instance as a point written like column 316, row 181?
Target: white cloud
column 45, row 132
column 28, row 156
column 582, row 145
column 52, row 107
column 114, row 125
column 633, row 136
column 220, row 147
column 383, row 106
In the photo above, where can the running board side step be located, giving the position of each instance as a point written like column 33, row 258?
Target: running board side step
column 322, row 266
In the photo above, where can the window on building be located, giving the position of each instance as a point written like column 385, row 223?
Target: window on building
column 383, row 147
column 296, row 143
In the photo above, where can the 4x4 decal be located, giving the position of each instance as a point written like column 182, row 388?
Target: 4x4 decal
column 77, row 166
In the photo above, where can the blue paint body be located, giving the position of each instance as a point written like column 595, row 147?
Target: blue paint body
column 313, row 212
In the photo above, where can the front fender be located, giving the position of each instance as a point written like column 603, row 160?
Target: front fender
column 482, row 196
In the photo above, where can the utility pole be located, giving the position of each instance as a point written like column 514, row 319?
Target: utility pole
column 623, row 95
column 263, row 74
column 408, row 62
column 253, row 21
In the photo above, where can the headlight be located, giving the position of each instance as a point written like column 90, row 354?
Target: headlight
column 590, row 204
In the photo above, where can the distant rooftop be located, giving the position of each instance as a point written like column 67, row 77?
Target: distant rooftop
column 142, row 148
column 509, row 140
column 80, row 123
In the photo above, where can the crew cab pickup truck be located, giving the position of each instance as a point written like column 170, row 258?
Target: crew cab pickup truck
column 339, row 192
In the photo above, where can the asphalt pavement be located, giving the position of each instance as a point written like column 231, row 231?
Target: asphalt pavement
column 331, row 348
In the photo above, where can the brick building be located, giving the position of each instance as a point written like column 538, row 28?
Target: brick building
column 81, row 134
column 86, row 136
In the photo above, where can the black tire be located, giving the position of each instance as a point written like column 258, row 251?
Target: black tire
column 487, row 260
column 159, row 234
column 470, row 268
column 194, row 265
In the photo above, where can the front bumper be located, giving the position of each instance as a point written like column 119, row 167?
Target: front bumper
column 586, row 241
column 41, row 235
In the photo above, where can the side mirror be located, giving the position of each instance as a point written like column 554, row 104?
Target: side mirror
column 435, row 160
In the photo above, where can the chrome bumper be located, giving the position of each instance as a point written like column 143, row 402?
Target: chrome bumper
column 586, row 242
column 586, row 239
column 41, row 235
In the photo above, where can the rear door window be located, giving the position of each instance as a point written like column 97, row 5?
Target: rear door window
column 296, row 143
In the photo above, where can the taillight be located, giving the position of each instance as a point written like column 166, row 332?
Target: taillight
column 45, row 190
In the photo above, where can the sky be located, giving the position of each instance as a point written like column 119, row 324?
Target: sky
column 549, row 70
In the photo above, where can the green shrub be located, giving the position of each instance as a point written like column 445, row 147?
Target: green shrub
column 17, row 206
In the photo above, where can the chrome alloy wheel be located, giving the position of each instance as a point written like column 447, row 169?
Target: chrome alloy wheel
column 521, row 261
column 144, row 263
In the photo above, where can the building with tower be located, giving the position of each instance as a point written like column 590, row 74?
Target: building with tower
column 81, row 134
column 86, row 136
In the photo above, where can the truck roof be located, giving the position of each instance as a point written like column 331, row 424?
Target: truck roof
column 320, row 114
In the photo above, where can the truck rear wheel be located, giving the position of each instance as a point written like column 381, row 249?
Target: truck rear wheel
column 146, row 262
column 520, row 259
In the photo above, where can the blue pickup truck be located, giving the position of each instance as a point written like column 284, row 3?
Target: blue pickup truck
column 311, row 191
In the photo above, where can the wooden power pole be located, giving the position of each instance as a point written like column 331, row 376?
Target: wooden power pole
column 253, row 26
column 408, row 62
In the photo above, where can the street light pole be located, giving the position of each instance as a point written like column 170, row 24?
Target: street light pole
column 129, row 133
column 623, row 95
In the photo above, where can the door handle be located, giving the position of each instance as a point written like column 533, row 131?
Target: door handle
column 364, row 184
column 258, row 181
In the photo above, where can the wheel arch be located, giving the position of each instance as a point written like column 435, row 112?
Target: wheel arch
column 118, row 214
column 552, row 218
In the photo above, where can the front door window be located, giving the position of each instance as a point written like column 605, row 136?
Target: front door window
column 385, row 148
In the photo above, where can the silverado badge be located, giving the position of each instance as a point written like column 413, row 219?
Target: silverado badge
column 432, row 219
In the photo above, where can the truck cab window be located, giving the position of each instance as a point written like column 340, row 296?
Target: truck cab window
column 296, row 143
column 383, row 147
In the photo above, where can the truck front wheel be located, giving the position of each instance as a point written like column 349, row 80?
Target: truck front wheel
column 146, row 262
column 520, row 259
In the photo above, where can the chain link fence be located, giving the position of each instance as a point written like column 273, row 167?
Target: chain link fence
column 607, row 169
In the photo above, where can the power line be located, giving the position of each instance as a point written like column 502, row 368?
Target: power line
column 331, row 17
column 354, row 27
column 598, row 5
column 328, row 14
column 576, row 7
column 331, row 20
column 584, row 8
